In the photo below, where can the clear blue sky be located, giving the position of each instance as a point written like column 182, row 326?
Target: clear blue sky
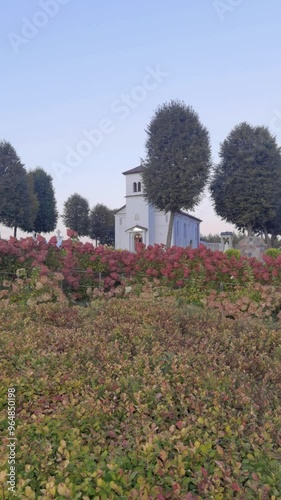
column 71, row 74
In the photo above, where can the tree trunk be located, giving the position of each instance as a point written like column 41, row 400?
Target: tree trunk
column 170, row 230
column 250, row 229
column 267, row 240
column 15, row 231
column 274, row 241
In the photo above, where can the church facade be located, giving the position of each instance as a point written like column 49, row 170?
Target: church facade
column 140, row 222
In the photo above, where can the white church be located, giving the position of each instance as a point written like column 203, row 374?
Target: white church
column 139, row 222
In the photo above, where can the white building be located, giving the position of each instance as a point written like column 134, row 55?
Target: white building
column 138, row 221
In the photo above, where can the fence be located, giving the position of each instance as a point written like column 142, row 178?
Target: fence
column 212, row 246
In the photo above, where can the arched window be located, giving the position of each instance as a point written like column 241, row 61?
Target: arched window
column 139, row 186
column 135, row 187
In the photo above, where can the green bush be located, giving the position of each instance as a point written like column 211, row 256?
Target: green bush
column 273, row 252
column 233, row 252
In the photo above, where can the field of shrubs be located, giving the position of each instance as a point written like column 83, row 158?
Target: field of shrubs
column 153, row 375
column 33, row 272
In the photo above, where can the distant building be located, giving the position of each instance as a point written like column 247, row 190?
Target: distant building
column 138, row 221
column 225, row 243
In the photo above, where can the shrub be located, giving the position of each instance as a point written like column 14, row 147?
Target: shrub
column 233, row 252
column 273, row 252
column 140, row 399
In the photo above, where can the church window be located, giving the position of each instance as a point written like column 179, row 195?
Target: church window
column 139, row 186
column 184, row 230
column 135, row 187
column 178, row 228
column 121, row 220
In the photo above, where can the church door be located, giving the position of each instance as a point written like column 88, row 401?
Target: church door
column 137, row 239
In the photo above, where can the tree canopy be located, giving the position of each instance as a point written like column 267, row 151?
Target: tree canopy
column 76, row 214
column 47, row 214
column 102, row 224
column 18, row 202
column 245, row 184
column 178, row 160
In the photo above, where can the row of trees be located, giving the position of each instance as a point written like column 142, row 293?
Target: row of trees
column 98, row 223
column 27, row 199
column 245, row 185
column 27, row 202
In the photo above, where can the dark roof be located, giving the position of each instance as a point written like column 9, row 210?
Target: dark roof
column 119, row 209
column 136, row 170
column 191, row 216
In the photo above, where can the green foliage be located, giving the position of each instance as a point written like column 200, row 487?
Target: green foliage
column 273, row 252
column 211, row 238
column 140, row 398
column 233, row 252
column 245, row 183
column 76, row 214
column 18, row 202
column 102, row 224
column 47, row 215
column 178, row 159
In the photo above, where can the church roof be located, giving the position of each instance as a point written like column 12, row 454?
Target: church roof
column 119, row 209
column 190, row 216
column 136, row 227
column 136, row 170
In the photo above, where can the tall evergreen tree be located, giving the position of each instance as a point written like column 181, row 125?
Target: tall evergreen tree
column 245, row 183
column 102, row 224
column 76, row 214
column 178, row 160
column 18, row 203
column 47, row 215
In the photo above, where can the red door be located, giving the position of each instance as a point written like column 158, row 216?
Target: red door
column 137, row 239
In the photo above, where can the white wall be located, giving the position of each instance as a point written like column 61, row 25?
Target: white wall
column 137, row 206
column 161, row 226
column 120, row 226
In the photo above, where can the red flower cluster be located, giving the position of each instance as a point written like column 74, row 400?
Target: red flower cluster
column 84, row 266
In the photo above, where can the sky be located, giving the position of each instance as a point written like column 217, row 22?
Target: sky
column 81, row 81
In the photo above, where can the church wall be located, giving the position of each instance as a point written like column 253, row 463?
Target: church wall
column 130, row 179
column 121, row 238
column 137, row 211
column 186, row 231
column 151, row 225
column 161, row 227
